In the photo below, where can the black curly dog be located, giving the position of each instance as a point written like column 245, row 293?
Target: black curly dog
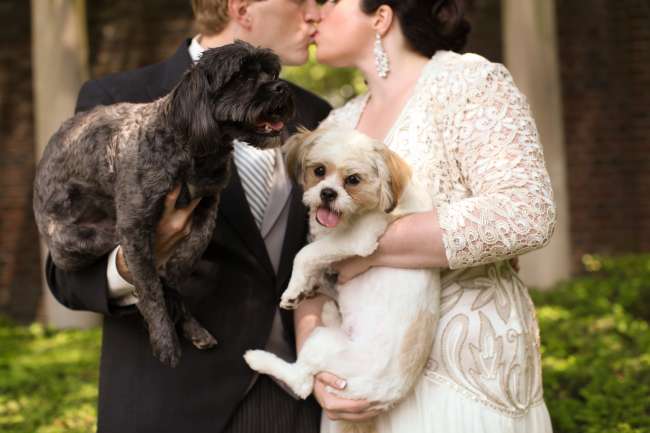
column 105, row 174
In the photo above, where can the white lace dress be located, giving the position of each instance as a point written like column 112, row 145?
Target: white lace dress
column 468, row 134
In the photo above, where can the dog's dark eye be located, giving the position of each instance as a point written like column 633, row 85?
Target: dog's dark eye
column 319, row 171
column 353, row 179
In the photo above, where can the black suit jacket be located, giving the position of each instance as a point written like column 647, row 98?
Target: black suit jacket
column 233, row 292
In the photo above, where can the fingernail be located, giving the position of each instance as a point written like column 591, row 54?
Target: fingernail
column 341, row 383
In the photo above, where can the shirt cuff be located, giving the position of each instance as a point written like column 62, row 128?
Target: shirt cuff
column 120, row 291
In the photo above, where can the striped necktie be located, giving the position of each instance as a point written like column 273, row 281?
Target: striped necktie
column 255, row 168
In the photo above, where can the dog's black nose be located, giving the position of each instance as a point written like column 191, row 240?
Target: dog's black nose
column 328, row 195
column 279, row 86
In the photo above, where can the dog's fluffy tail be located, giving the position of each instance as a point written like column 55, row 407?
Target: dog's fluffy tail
column 296, row 376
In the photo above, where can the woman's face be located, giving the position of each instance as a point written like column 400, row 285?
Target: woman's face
column 345, row 33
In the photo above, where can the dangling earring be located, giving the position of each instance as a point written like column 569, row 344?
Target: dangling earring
column 381, row 58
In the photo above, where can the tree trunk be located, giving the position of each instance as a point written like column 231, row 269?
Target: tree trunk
column 530, row 48
column 60, row 66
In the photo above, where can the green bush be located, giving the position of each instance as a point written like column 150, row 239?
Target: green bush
column 337, row 85
column 595, row 354
column 596, row 347
column 48, row 379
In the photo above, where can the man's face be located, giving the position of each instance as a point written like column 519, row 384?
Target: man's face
column 285, row 26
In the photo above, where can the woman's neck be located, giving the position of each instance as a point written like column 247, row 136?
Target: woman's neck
column 405, row 69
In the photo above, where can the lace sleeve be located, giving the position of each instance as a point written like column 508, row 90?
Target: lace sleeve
column 490, row 134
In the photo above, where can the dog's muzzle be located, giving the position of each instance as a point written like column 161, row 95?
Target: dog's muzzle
column 325, row 215
column 328, row 195
column 274, row 120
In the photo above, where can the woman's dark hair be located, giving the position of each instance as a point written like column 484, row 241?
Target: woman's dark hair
column 428, row 25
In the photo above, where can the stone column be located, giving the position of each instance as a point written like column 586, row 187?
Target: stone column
column 60, row 66
column 530, row 53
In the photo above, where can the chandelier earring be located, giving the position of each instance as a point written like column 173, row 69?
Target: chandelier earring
column 381, row 58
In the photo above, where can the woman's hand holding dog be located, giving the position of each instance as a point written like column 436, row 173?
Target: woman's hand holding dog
column 337, row 408
column 174, row 226
column 413, row 241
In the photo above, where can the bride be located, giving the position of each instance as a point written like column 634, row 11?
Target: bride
column 467, row 132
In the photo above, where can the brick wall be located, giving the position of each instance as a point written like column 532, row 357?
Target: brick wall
column 20, row 280
column 605, row 69
column 126, row 34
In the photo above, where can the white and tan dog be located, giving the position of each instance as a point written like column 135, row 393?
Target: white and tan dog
column 380, row 342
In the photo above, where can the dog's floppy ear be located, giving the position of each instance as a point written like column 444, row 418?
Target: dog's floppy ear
column 394, row 179
column 221, row 64
column 190, row 111
column 295, row 150
column 192, row 101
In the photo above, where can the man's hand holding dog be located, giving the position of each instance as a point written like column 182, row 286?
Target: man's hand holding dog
column 174, row 226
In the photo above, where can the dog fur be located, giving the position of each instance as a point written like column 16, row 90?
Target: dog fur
column 105, row 174
column 380, row 336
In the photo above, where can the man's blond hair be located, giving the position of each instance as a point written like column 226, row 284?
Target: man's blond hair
column 210, row 16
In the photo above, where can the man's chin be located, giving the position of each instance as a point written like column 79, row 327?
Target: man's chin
column 296, row 58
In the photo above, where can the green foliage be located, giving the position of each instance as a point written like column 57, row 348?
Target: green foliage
column 595, row 352
column 596, row 347
column 337, row 85
column 48, row 379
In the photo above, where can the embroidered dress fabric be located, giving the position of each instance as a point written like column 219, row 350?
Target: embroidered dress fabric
column 468, row 134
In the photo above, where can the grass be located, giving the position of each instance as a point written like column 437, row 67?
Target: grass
column 48, row 379
column 595, row 332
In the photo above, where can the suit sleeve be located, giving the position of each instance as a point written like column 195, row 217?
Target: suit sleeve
column 84, row 289
column 92, row 94
column 491, row 134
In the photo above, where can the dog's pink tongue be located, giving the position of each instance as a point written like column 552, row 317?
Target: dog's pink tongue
column 326, row 217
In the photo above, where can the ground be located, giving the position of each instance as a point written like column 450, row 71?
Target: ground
column 595, row 352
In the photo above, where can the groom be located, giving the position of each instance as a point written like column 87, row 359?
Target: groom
column 234, row 290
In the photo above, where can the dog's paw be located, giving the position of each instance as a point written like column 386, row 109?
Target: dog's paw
column 365, row 249
column 197, row 334
column 292, row 296
column 256, row 359
column 201, row 338
column 295, row 286
column 292, row 303
column 304, row 389
column 288, row 302
column 297, row 291
column 167, row 349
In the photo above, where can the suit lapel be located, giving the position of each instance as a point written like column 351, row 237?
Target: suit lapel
column 278, row 196
column 234, row 208
column 295, row 236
